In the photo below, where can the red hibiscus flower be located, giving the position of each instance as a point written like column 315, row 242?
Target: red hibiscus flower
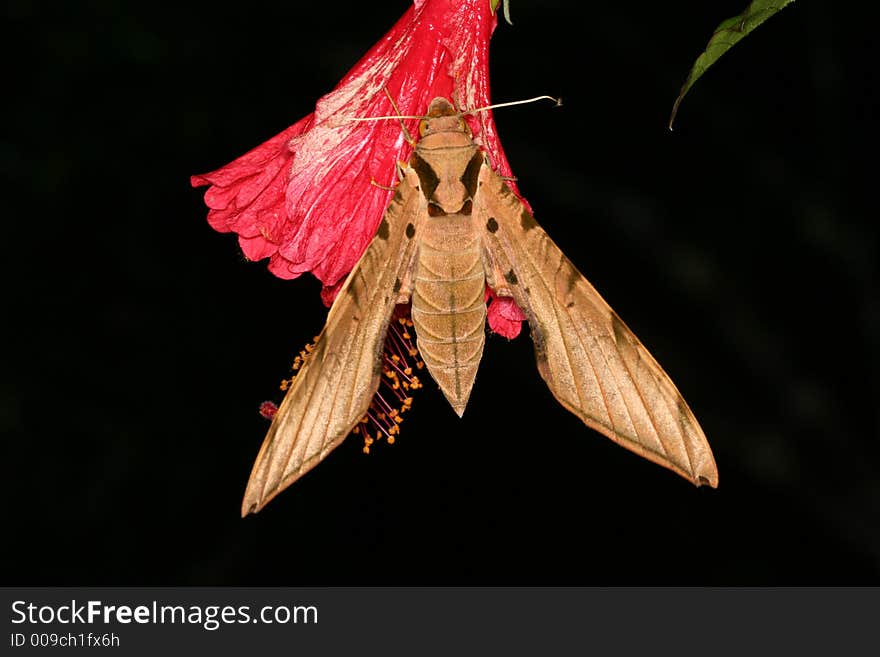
column 311, row 198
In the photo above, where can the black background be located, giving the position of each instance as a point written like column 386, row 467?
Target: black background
column 741, row 248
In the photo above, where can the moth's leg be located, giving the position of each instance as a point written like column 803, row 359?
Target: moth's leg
column 380, row 186
column 401, row 174
column 404, row 292
column 406, row 135
column 504, row 178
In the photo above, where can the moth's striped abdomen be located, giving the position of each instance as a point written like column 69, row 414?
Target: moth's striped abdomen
column 448, row 304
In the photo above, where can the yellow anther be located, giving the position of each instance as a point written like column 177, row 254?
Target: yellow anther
column 392, row 400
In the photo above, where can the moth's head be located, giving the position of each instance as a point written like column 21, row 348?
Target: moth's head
column 442, row 117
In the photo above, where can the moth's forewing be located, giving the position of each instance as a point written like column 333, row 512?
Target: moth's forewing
column 591, row 361
column 333, row 389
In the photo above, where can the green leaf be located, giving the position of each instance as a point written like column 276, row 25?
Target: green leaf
column 727, row 35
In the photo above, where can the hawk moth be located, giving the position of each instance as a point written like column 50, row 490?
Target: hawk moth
column 453, row 227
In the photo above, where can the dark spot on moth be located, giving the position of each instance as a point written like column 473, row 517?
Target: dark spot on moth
column 622, row 335
column 383, row 230
column 491, row 225
column 435, row 210
column 427, row 176
column 397, row 283
column 526, row 220
column 511, row 278
column 618, row 328
column 467, row 208
column 353, row 293
column 683, row 412
column 570, row 304
column 410, row 232
column 471, row 174
column 378, row 360
column 573, row 276
column 685, row 422
column 539, row 342
column 398, row 195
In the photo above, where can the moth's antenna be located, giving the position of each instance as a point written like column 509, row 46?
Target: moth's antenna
column 558, row 102
column 383, row 118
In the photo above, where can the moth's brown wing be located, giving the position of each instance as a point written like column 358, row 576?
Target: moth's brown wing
column 333, row 389
column 591, row 361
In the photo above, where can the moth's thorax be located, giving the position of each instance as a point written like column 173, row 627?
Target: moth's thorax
column 443, row 140
column 447, row 177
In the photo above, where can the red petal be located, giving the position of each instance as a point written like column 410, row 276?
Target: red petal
column 311, row 198
column 505, row 317
column 329, row 292
column 507, row 308
column 503, row 326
